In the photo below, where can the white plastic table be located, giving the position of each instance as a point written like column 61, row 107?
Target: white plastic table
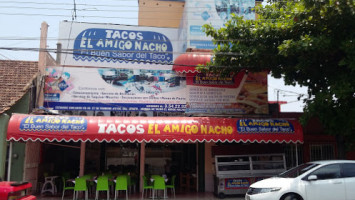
column 49, row 185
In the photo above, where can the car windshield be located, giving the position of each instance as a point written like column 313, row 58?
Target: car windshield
column 296, row 171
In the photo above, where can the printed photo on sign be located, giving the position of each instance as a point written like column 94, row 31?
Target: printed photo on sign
column 240, row 94
column 111, row 89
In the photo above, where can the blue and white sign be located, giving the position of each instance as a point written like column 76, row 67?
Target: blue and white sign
column 53, row 124
column 214, row 12
column 264, row 126
column 117, row 46
column 123, row 46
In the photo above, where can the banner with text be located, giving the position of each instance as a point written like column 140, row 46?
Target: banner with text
column 152, row 129
column 117, row 46
column 240, row 94
column 114, row 89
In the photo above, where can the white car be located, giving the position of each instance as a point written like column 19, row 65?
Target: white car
column 319, row 180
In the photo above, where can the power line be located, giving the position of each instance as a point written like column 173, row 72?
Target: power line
column 7, row 58
column 65, row 4
column 196, row 4
column 97, row 16
column 69, row 51
column 90, row 9
column 95, row 40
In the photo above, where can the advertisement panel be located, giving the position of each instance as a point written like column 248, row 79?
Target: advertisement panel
column 245, row 93
column 114, row 89
column 237, row 183
column 215, row 13
column 117, row 46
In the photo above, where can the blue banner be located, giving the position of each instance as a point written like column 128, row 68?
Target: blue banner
column 114, row 45
column 116, row 106
column 53, row 123
column 237, row 183
column 264, row 126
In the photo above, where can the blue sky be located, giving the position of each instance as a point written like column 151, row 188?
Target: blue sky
column 20, row 22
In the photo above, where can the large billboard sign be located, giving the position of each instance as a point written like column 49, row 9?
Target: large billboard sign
column 114, row 89
column 117, row 46
column 216, row 13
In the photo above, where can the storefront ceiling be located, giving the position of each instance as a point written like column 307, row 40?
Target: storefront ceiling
column 152, row 129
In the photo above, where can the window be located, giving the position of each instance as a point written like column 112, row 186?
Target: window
column 299, row 170
column 348, row 170
column 328, row 172
column 322, row 152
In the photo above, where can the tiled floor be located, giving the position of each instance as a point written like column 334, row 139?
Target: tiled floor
column 179, row 196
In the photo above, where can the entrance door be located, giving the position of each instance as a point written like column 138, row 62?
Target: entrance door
column 173, row 159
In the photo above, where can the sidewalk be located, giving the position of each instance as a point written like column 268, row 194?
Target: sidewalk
column 179, row 196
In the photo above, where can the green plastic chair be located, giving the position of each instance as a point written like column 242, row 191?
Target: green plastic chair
column 102, row 185
column 65, row 187
column 80, row 186
column 172, row 184
column 110, row 182
column 132, row 183
column 146, row 186
column 159, row 184
column 121, row 185
column 90, row 183
column 153, row 176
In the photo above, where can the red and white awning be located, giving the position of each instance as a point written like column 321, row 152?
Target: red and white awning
column 187, row 62
column 152, row 129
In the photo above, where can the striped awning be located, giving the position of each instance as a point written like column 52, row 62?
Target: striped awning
column 152, row 129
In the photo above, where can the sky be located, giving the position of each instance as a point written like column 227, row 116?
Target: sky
column 20, row 22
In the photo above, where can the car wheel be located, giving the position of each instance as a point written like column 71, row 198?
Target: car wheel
column 291, row 197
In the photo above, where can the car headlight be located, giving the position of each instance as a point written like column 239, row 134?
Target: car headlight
column 252, row 191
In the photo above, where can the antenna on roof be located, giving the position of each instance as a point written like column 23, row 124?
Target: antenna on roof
column 74, row 14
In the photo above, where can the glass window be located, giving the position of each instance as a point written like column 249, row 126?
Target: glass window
column 232, row 159
column 268, row 166
column 348, row 170
column 233, row 167
column 296, row 171
column 328, row 172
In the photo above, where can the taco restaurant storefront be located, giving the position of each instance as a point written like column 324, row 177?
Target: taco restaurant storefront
column 159, row 133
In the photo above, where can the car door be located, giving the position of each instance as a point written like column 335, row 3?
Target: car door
column 348, row 173
column 329, row 184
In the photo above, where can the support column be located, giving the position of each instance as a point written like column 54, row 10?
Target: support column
column 82, row 158
column 141, row 166
column 9, row 163
column 4, row 119
column 296, row 155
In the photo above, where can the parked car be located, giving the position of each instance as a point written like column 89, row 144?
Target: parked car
column 15, row 190
column 325, row 180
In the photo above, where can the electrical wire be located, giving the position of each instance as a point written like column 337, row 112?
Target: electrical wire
column 71, row 51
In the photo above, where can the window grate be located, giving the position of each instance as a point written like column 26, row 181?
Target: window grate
column 322, row 152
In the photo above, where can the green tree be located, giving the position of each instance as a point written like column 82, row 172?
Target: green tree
column 309, row 42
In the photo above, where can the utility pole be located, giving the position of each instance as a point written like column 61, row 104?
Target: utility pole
column 42, row 60
column 32, row 152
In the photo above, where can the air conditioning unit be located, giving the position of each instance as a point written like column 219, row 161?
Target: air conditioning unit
column 86, row 113
column 102, row 113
